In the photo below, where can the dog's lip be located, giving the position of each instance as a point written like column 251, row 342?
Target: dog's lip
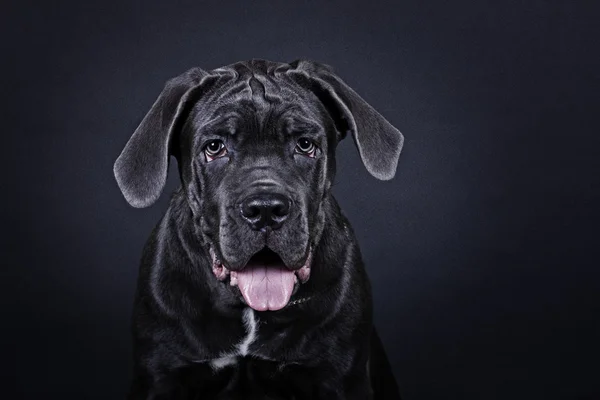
column 221, row 272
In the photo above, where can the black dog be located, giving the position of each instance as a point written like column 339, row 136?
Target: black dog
column 252, row 285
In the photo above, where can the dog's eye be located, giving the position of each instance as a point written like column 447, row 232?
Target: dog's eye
column 214, row 149
column 306, row 147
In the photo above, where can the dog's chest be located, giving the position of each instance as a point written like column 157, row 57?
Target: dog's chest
column 242, row 348
column 262, row 341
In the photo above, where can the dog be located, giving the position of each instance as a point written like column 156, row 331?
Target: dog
column 252, row 285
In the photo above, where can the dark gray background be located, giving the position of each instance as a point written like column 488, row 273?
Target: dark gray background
column 483, row 251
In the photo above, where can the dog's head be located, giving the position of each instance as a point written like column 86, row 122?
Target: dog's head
column 255, row 143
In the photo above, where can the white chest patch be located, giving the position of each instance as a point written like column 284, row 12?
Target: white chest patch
column 251, row 331
column 241, row 349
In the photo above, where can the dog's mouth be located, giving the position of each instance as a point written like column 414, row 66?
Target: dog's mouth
column 265, row 282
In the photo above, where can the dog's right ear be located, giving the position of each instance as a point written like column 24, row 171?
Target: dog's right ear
column 141, row 169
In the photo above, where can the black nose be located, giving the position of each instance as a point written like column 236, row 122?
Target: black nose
column 265, row 210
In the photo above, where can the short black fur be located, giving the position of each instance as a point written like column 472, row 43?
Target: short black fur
column 194, row 335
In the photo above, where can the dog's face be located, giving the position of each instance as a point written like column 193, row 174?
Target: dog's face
column 262, row 164
column 256, row 145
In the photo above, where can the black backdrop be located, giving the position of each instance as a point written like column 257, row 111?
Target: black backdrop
column 483, row 251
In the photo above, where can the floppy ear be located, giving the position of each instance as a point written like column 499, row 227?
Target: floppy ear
column 378, row 142
column 141, row 169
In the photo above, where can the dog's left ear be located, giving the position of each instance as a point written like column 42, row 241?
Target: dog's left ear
column 379, row 143
column 141, row 169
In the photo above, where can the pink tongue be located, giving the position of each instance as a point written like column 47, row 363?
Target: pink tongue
column 266, row 287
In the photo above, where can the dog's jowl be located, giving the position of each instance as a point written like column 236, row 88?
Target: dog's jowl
column 252, row 284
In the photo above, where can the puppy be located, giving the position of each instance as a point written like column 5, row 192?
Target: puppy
column 252, row 285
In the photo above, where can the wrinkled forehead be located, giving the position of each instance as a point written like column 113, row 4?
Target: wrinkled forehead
column 259, row 100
